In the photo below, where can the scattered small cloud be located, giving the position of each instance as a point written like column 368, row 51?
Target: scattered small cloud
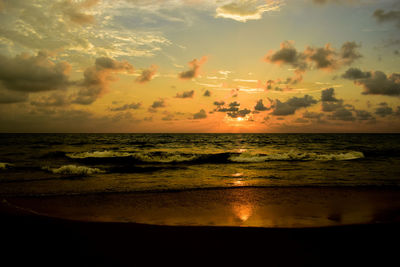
column 147, row 74
column 207, row 93
column 200, row 115
column 194, row 70
column 185, row 94
column 127, row 107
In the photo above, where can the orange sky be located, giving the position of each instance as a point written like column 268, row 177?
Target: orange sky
column 199, row 66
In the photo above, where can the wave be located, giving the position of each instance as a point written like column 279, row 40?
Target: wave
column 74, row 170
column 297, row 156
column 159, row 157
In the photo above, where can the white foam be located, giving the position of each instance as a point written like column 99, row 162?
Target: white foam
column 98, row 154
column 295, row 155
column 74, row 170
column 164, row 159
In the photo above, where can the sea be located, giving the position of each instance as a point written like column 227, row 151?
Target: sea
column 80, row 164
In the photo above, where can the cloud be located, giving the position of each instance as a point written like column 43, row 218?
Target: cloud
column 10, row 97
column 67, row 26
column 219, row 103
column 73, row 10
column 313, row 115
column 390, row 16
column 200, row 115
column 194, row 70
column 244, row 10
column 207, row 93
column 239, row 113
column 328, row 106
column 127, row 106
column 26, row 73
column 97, row 78
column 290, row 106
column 156, row 105
column 328, row 95
column 375, row 82
column 322, row 2
column 185, row 94
column 325, row 58
column 260, row 106
column 147, row 74
column 287, row 54
column 54, row 100
column 355, row 73
column 342, row 114
column 233, row 107
column 364, row 115
column 349, row 52
column 384, row 110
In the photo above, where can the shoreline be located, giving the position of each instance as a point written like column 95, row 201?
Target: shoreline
column 34, row 239
column 31, row 238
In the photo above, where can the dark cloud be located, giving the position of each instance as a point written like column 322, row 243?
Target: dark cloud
column 207, row 93
column 323, row 57
column 328, row 95
column 147, row 74
column 355, row 73
column 232, row 107
column 97, row 78
column 156, row 105
column 239, row 113
column 328, row 106
column 390, row 16
column 54, row 100
column 200, row 115
column 10, row 97
column 287, row 54
column 219, row 103
column 326, row 58
column 290, row 106
column 185, row 94
column 260, row 106
column 313, row 115
column 364, row 115
column 349, row 52
column 342, row 114
column 127, row 106
column 384, row 110
column 375, row 83
column 28, row 74
column 194, row 70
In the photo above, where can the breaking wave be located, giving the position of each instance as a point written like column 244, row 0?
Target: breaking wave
column 115, row 157
column 297, row 156
column 74, row 170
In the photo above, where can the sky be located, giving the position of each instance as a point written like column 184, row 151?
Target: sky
column 227, row 66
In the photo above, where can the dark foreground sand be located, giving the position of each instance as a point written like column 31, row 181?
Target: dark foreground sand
column 78, row 239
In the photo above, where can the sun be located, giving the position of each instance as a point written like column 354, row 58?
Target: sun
column 240, row 119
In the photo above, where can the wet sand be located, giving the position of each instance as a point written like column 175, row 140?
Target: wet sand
column 295, row 227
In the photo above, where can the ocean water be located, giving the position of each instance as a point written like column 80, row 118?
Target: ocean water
column 78, row 164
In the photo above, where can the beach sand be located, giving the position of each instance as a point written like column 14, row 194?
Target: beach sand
column 243, row 226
